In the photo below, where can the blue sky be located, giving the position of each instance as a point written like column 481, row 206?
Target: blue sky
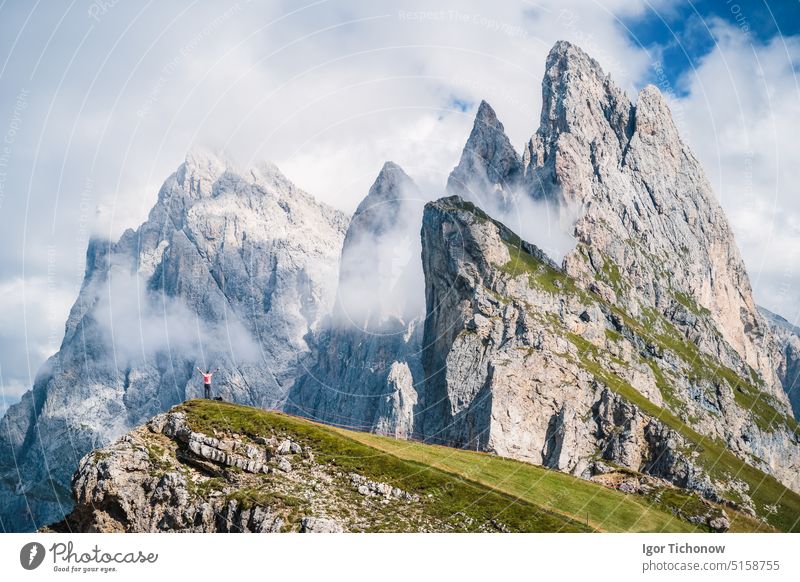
column 99, row 102
column 681, row 34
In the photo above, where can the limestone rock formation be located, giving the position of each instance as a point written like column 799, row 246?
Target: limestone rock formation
column 165, row 476
column 233, row 269
column 651, row 231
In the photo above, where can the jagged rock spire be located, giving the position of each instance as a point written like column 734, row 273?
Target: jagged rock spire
column 647, row 210
column 490, row 169
column 590, row 116
column 577, row 97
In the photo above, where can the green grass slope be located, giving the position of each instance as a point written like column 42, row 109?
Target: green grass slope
column 477, row 487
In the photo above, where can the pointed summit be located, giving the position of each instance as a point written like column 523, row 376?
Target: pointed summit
column 564, row 55
column 379, row 211
column 198, row 157
column 389, row 168
column 636, row 181
column 390, row 182
column 578, row 99
column 202, row 167
column 490, row 169
column 487, row 116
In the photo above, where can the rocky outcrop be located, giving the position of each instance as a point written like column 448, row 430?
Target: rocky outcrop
column 319, row 525
column 522, row 361
column 167, row 477
column 215, row 467
column 233, row 269
column 367, row 358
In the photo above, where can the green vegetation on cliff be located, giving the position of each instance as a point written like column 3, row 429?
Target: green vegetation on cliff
column 778, row 504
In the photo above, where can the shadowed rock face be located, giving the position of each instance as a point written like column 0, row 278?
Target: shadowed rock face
column 367, row 362
column 231, row 270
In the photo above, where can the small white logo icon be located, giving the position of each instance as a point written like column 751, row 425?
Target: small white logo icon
column 31, row 555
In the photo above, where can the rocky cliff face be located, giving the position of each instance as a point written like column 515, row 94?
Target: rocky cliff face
column 651, row 232
column 367, row 362
column 654, row 298
column 523, row 361
column 232, row 269
column 788, row 340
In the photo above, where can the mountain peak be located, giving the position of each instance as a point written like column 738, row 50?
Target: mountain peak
column 200, row 159
column 486, row 115
column 490, row 167
column 564, row 53
column 390, row 185
column 579, row 98
column 390, row 176
column 197, row 174
column 379, row 210
column 634, row 178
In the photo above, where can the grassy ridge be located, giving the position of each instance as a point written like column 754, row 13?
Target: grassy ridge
column 605, row 509
column 446, row 496
column 478, row 487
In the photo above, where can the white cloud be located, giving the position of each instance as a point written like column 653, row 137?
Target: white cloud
column 352, row 82
column 140, row 325
column 743, row 109
column 381, row 274
column 31, row 328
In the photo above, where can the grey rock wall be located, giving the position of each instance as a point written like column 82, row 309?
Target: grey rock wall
column 233, row 269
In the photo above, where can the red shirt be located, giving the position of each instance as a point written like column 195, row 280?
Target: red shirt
column 207, row 378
